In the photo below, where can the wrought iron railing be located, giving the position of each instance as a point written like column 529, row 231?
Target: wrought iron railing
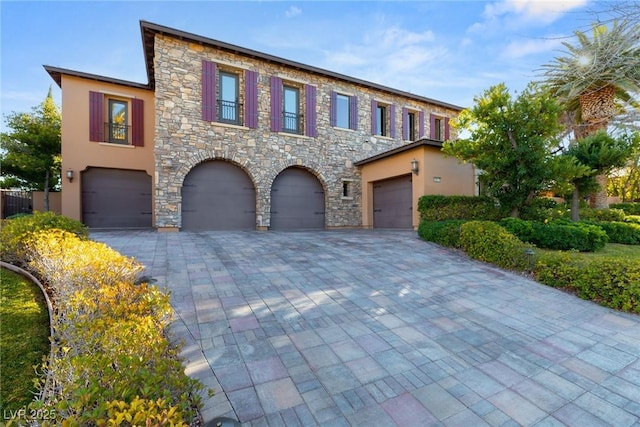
column 291, row 123
column 115, row 133
column 228, row 112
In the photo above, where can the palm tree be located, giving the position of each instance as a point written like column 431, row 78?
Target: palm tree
column 598, row 79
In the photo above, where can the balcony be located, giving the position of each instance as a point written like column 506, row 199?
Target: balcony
column 115, row 133
column 228, row 112
column 291, row 123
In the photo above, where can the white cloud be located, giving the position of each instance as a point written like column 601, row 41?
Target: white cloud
column 516, row 13
column 519, row 49
column 293, row 11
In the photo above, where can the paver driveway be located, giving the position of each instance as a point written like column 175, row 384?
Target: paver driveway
column 378, row 328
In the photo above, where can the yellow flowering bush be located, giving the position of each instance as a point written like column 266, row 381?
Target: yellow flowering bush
column 111, row 363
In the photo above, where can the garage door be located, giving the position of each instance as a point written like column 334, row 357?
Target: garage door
column 116, row 198
column 392, row 203
column 218, row 195
column 297, row 201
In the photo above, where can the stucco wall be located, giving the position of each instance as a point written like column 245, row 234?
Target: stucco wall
column 183, row 139
column 454, row 178
column 79, row 153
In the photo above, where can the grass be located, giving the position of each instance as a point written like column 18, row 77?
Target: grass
column 24, row 339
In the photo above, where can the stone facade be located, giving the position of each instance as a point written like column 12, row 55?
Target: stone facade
column 183, row 140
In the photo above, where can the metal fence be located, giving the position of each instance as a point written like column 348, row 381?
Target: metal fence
column 16, row 202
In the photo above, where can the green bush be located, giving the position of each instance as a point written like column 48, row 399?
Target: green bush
column 445, row 233
column 611, row 282
column 490, row 242
column 541, row 209
column 628, row 208
column 625, row 233
column 634, row 219
column 13, row 232
column 442, row 208
column 558, row 235
column 602, row 214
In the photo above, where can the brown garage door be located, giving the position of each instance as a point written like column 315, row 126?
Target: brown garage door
column 392, row 203
column 116, row 198
column 297, row 201
column 218, row 195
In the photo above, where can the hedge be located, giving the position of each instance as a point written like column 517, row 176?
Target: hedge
column 611, row 282
column 628, row 208
column 445, row 233
column 111, row 360
column 626, row 233
column 441, row 208
column 558, row 235
column 490, row 242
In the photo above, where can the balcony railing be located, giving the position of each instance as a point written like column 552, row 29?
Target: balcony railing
column 291, row 123
column 228, row 112
column 115, row 133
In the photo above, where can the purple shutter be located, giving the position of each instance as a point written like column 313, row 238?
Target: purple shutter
column 251, row 99
column 310, row 111
column 353, row 112
column 96, row 117
column 276, row 104
column 333, row 112
column 405, row 123
column 446, row 128
column 392, row 120
column 421, row 124
column 432, row 126
column 374, row 116
column 208, row 91
column 137, row 122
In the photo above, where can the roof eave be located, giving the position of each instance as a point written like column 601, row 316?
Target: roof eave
column 424, row 142
column 56, row 74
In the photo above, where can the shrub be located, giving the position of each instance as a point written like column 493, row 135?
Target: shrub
column 14, row 232
column 558, row 235
column 111, row 358
column 541, row 209
column 445, row 233
column 490, row 242
column 625, row 233
column 602, row 214
column 634, row 219
column 71, row 264
column 611, row 282
column 441, row 208
column 628, row 208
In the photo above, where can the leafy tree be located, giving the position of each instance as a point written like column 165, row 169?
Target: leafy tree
column 597, row 80
column 30, row 156
column 601, row 153
column 512, row 141
column 626, row 181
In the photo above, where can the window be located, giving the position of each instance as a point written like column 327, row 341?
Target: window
column 383, row 119
column 222, row 98
column 291, row 110
column 344, row 111
column 229, row 98
column 117, row 128
column 347, row 189
column 116, row 119
column 288, row 101
column 439, row 128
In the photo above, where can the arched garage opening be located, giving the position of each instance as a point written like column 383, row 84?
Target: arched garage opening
column 116, row 198
column 297, row 201
column 218, row 195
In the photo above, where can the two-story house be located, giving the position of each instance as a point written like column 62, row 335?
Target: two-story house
column 224, row 137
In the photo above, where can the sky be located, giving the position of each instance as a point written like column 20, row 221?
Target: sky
column 451, row 51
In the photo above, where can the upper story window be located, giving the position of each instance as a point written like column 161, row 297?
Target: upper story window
column 383, row 119
column 439, row 128
column 344, row 111
column 291, row 110
column 293, row 107
column 412, row 124
column 117, row 126
column 116, row 119
column 229, row 95
column 229, row 98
